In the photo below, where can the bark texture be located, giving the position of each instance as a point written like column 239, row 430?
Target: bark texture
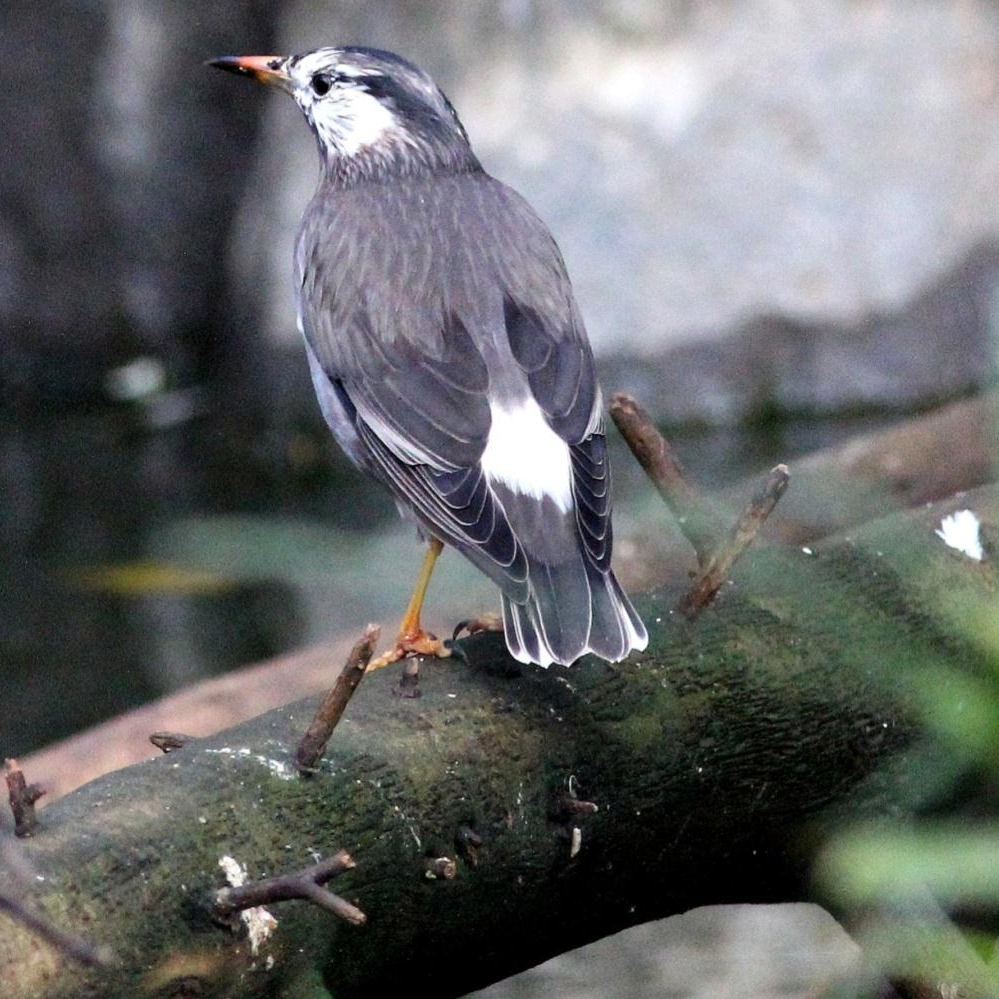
column 718, row 760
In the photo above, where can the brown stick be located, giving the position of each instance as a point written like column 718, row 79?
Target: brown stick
column 714, row 574
column 305, row 885
column 22, row 799
column 699, row 523
column 313, row 743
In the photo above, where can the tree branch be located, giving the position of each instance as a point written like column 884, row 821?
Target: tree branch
column 18, row 875
column 720, row 759
column 920, row 459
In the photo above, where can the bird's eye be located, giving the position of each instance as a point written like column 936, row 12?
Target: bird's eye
column 321, row 84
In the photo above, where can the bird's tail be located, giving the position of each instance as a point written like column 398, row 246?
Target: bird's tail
column 572, row 610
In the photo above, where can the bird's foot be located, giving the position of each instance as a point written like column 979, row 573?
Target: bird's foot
column 418, row 643
column 484, row 622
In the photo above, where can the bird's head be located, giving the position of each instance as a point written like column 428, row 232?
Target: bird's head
column 372, row 112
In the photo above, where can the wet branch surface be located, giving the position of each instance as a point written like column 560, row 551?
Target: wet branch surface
column 507, row 816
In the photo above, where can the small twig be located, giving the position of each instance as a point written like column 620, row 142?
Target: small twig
column 305, row 885
column 313, row 743
column 168, row 742
column 714, row 574
column 700, row 524
column 22, row 799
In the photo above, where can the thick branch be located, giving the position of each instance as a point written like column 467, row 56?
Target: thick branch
column 18, row 875
column 73, row 947
column 715, row 762
column 921, row 459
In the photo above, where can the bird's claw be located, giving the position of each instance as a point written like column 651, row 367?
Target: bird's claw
column 420, row 644
column 484, row 622
column 456, row 651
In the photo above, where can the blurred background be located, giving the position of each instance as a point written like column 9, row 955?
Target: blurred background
column 779, row 216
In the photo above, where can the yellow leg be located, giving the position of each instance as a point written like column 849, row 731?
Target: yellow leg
column 412, row 640
column 410, row 626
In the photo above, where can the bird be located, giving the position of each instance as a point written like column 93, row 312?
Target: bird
column 449, row 356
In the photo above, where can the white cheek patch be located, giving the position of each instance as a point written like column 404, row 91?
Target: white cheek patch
column 526, row 455
column 351, row 120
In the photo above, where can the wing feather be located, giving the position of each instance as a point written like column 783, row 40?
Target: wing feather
column 421, row 306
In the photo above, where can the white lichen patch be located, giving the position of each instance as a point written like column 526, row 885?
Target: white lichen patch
column 259, row 922
column 962, row 531
column 276, row 767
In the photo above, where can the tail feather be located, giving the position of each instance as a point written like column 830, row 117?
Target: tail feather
column 572, row 610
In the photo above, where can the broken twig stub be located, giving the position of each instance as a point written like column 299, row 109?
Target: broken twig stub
column 700, row 524
column 169, row 742
column 714, row 574
column 23, row 797
column 313, row 743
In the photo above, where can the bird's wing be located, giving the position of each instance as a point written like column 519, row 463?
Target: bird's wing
column 559, row 367
column 403, row 293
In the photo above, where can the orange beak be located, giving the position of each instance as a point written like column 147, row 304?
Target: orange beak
column 265, row 69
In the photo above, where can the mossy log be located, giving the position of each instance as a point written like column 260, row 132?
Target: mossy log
column 718, row 761
column 922, row 459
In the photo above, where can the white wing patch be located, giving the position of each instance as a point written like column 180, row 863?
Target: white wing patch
column 525, row 455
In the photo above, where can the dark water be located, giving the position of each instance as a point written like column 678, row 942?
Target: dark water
column 146, row 546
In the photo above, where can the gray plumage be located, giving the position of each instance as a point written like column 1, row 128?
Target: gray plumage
column 438, row 318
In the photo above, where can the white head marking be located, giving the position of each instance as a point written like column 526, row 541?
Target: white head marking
column 347, row 117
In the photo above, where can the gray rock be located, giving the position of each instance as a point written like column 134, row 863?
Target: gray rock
column 756, row 198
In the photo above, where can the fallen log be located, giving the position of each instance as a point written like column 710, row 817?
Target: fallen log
column 510, row 814
column 925, row 458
